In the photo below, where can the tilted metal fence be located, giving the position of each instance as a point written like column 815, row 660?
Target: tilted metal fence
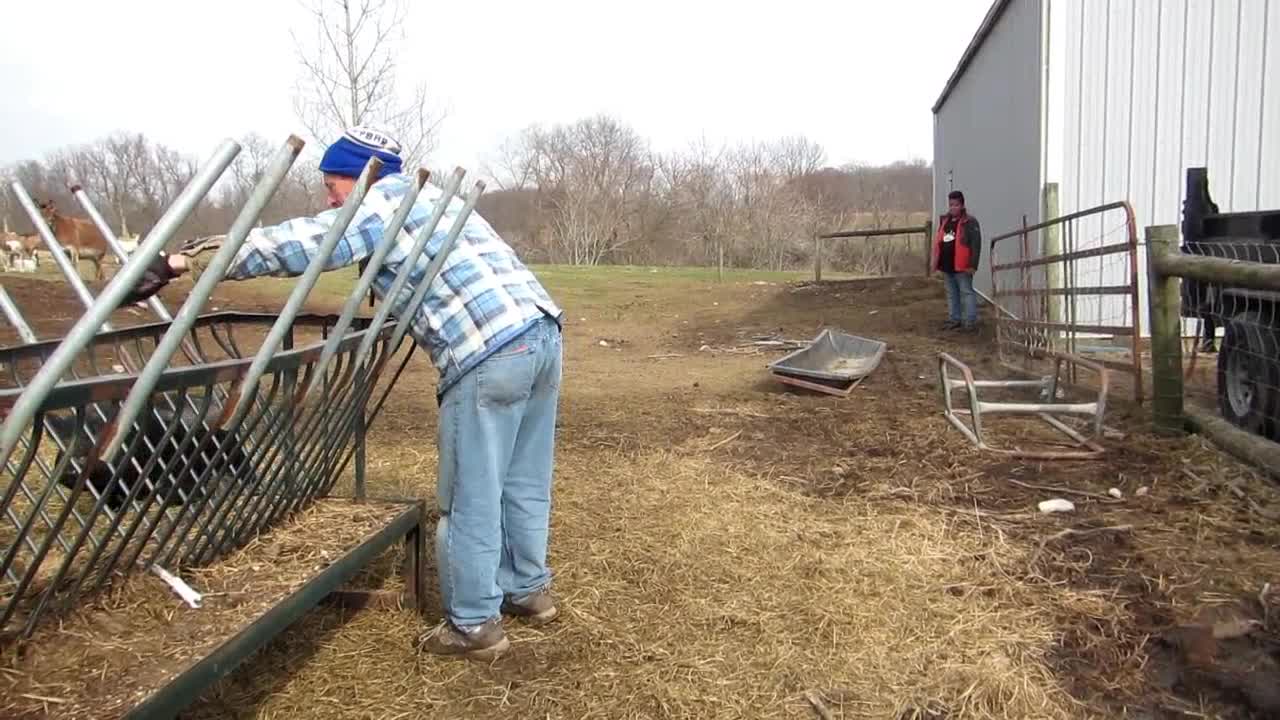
column 169, row 444
column 1071, row 292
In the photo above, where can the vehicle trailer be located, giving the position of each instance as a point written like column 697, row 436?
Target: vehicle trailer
column 1249, row 360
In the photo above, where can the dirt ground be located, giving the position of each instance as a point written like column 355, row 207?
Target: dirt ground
column 727, row 547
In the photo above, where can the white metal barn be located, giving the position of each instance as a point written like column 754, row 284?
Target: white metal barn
column 1111, row 100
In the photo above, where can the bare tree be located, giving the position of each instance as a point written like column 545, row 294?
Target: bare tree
column 349, row 76
column 592, row 179
column 588, row 192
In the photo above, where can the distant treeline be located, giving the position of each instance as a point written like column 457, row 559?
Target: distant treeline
column 591, row 192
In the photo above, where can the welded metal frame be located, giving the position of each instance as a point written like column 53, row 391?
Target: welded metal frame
column 1046, row 388
column 172, row 443
column 1034, row 333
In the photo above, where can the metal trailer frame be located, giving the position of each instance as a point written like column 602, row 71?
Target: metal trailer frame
column 175, row 441
column 1047, row 387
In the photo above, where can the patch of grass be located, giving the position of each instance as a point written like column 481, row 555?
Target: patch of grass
column 331, row 287
column 567, row 275
column 566, row 282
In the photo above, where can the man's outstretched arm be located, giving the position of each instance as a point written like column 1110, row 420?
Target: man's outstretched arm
column 285, row 250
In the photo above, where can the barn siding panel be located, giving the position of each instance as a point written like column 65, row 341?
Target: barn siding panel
column 987, row 135
column 1201, row 77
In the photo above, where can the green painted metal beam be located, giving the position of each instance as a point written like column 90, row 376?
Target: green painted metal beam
column 183, row 690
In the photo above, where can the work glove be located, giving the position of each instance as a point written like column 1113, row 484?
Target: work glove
column 199, row 253
column 156, row 276
column 160, row 272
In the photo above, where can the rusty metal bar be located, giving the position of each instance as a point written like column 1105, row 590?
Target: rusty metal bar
column 1103, row 290
column 1111, row 249
column 1120, row 204
column 1119, row 330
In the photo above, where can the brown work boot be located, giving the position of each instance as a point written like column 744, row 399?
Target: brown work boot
column 537, row 608
column 478, row 642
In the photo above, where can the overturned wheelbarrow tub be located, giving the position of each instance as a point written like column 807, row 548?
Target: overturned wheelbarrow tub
column 170, row 493
column 834, row 363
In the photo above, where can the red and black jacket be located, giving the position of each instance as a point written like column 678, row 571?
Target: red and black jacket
column 968, row 242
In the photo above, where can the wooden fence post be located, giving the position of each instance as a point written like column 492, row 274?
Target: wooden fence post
column 1166, row 332
column 1052, row 246
column 928, row 247
column 817, row 258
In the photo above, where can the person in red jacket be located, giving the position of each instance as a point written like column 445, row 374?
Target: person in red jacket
column 957, row 247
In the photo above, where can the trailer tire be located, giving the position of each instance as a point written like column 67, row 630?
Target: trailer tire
column 1249, row 375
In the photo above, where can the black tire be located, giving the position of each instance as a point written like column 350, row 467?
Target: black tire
column 1249, row 375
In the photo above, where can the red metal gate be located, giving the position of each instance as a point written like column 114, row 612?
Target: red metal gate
column 1070, row 282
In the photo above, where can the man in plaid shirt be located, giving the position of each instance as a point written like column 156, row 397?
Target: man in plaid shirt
column 493, row 333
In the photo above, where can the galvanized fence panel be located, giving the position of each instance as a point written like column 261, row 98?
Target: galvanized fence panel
column 1071, row 292
column 171, row 443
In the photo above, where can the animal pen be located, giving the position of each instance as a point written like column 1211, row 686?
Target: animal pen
column 196, row 460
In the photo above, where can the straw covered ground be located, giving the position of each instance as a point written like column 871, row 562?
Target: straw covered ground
column 725, row 547
column 124, row 644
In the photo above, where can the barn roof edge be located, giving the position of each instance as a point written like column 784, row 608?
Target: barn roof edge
column 988, row 24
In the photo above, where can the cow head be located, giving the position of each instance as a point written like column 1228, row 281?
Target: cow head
column 49, row 211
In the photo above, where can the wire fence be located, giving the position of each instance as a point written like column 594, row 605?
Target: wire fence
column 1228, row 305
column 1068, row 288
column 1233, row 347
column 168, row 445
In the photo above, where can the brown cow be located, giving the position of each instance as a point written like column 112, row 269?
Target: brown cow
column 79, row 236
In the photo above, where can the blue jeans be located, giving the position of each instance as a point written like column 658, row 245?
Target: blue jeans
column 960, row 292
column 497, row 446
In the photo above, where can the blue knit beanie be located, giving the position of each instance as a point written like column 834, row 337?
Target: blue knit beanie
column 352, row 151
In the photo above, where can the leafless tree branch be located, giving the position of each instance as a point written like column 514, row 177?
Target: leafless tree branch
column 349, row 75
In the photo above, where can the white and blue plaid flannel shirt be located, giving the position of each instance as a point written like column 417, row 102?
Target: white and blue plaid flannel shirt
column 483, row 298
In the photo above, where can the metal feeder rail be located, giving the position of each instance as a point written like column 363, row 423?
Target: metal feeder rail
column 168, row 445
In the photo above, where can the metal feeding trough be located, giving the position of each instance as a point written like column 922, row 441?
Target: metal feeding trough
column 834, row 363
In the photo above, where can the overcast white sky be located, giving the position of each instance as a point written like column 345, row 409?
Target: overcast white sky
column 857, row 76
